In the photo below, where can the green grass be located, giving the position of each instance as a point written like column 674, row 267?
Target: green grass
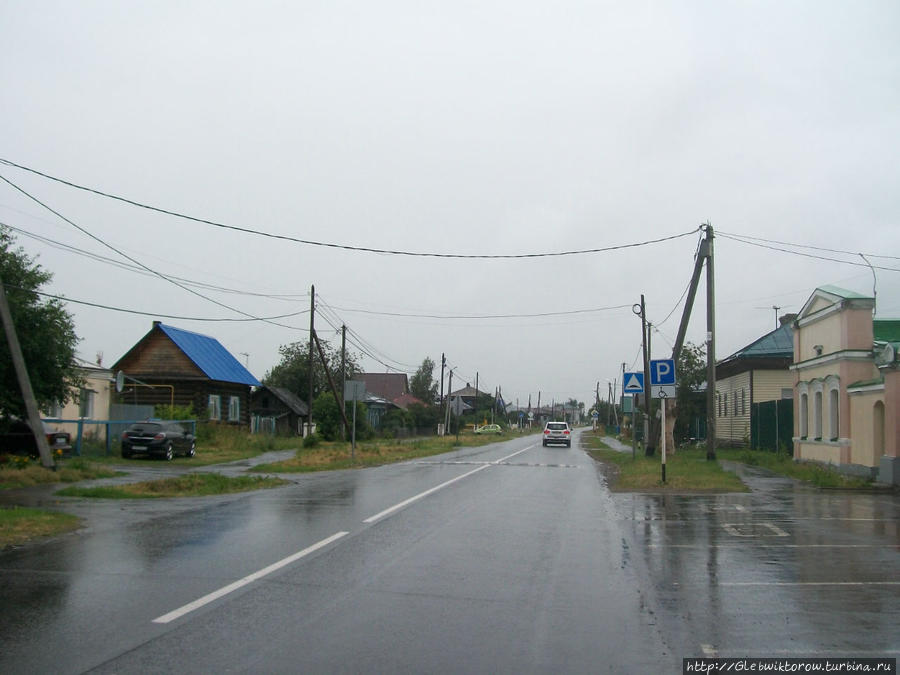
column 67, row 471
column 686, row 471
column 192, row 485
column 783, row 463
column 215, row 445
column 19, row 525
column 331, row 456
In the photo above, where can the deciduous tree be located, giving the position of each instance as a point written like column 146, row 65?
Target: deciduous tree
column 46, row 334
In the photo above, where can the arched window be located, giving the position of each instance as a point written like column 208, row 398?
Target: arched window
column 833, row 414
column 803, row 410
column 817, row 415
column 878, row 429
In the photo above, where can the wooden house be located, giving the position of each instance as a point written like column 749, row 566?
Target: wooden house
column 287, row 410
column 758, row 373
column 171, row 365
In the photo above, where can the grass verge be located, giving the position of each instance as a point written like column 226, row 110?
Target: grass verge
column 67, row 471
column 686, row 471
column 193, row 485
column 331, row 456
column 215, row 445
column 784, row 464
column 18, row 525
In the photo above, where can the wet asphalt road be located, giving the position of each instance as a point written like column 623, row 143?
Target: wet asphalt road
column 503, row 558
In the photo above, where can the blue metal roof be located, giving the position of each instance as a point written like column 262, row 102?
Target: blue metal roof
column 210, row 356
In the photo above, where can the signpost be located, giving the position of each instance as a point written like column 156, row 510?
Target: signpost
column 353, row 391
column 634, row 383
column 662, row 386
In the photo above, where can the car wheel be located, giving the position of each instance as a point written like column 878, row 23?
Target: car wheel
column 126, row 454
column 191, row 450
column 170, row 453
column 544, row 443
column 569, row 444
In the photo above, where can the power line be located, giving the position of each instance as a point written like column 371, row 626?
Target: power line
column 814, row 248
column 743, row 240
column 139, row 270
column 481, row 316
column 159, row 314
column 137, row 262
column 346, row 247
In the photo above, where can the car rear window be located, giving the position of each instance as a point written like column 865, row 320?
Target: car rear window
column 557, row 426
column 144, row 428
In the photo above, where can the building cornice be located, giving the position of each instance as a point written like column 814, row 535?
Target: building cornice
column 846, row 355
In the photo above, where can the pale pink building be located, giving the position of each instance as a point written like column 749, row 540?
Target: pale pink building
column 847, row 385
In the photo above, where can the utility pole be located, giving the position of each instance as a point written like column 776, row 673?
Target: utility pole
column 476, row 394
column 310, row 369
column 704, row 254
column 449, row 390
column 710, row 349
column 645, row 332
column 344, row 376
column 441, row 400
column 338, row 398
column 15, row 351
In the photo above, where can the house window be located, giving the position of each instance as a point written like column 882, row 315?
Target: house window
column 804, row 414
column 734, row 403
column 787, row 393
column 833, row 415
column 214, row 407
column 234, row 409
column 817, row 415
column 86, row 403
column 56, row 410
column 743, row 401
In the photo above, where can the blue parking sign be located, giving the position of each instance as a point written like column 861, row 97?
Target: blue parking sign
column 662, row 372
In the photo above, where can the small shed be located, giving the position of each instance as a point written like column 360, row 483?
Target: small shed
column 282, row 405
column 172, row 365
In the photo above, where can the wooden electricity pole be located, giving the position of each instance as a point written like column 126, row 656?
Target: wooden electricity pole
column 15, row 351
column 311, row 362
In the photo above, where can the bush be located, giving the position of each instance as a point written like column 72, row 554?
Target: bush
column 175, row 412
column 312, row 441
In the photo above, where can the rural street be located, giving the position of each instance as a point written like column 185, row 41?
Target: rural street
column 509, row 557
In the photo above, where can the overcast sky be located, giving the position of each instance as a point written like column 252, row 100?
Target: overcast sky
column 453, row 127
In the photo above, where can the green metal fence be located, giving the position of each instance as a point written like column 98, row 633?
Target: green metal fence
column 772, row 425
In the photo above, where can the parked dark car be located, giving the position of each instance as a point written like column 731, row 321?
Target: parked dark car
column 162, row 439
column 17, row 439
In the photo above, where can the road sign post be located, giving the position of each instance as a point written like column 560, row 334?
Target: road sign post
column 662, row 444
column 662, row 386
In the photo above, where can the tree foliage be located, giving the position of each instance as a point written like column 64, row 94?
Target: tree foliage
column 423, row 385
column 327, row 418
column 46, row 333
column 292, row 372
column 691, row 374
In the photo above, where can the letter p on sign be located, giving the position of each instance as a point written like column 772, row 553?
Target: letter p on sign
column 662, row 371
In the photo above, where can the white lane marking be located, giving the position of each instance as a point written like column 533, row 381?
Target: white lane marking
column 755, row 545
column 406, row 502
column 709, row 650
column 225, row 590
column 809, row 583
column 739, row 529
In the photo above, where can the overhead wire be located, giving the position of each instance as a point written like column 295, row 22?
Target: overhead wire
column 155, row 314
column 741, row 239
column 809, row 246
column 289, row 297
column 348, row 247
column 137, row 262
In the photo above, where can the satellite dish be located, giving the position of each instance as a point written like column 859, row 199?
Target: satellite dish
column 885, row 356
column 120, row 382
